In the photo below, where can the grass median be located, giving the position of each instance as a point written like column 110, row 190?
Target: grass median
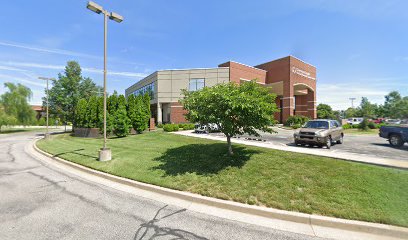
column 264, row 177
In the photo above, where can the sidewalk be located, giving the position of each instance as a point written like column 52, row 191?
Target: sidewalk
column 338, row 154
column 313, row 225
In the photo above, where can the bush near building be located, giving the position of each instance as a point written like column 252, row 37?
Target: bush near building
column 171, row 127
column 296, row 121
column 121, row 116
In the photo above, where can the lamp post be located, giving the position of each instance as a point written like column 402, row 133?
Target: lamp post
column 47, row 134
column 105, row 153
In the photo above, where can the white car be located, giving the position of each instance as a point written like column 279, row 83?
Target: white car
column 393, row 121
column 206, row 128
column 354, row 121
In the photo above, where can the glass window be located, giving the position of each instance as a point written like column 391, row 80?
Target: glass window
column 149, row 89
column 196, row 84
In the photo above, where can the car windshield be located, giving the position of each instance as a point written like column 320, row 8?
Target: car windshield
column 317, row 124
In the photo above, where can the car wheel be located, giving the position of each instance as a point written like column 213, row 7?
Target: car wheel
column 297, row 143
column 328, row 142
column 341, row 140
column 395, row 140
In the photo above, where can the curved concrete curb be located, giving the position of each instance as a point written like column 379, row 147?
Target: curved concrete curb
column 314, row 225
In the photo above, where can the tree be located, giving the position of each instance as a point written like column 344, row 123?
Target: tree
column 366, row 108
column 81, row 109
column 92, row 112
column 5, row 119
column 324, row 111
column 146, row 108
column 15, row 103
column 350, row 112
column 391, row 104
column 236, row 109
column 121, row 122
column 67, row 90
column 137, row 113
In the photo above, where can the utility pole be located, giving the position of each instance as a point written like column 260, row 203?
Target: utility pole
column 352, row 101
column 105, row 153
column 47, row 134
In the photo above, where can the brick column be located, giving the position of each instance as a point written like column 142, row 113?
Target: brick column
column 311, row 104
column 287, row 100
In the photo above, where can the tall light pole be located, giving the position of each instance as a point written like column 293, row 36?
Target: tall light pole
column 352, row 101
column 105, row 153
column 47, row 134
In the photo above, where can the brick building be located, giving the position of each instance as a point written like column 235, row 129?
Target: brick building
column 291, row 79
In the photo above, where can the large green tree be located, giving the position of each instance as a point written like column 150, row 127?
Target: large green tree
column 68, row 89
column 367, row 109
column 236, row 109
column 5, row 119
column 15, row 103
column 324, row 111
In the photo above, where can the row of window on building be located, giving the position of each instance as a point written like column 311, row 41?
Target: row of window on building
column 149, row 89
column 194, row 85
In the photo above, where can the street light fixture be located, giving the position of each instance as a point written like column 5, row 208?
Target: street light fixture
column 105, row 153
column 47, row 134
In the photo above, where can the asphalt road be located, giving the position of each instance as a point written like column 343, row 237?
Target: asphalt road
column 368, row 145
column 41, row 202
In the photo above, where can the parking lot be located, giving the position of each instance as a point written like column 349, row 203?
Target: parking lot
column 367, row 145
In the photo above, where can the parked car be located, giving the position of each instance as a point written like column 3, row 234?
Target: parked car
column 320, row 132
column 206, row 128
column 354, row 121
column 378, row 120
column 393, row 121
column 396, row 135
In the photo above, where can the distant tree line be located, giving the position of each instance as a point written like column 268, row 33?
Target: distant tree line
column 122, row 114
column 69, row 87
column 395, row 106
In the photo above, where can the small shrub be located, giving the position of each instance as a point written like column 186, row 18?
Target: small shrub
column 170, row 127
column 347, row 126
column 181, row 125
column 188, row 126
column 296, row 126
column 160, row 125
column 380, row 125
column 371, row 125
column 363, row 125
column 296, row 120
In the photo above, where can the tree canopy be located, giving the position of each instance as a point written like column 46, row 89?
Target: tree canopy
column 236, row 109
column 15, row 103
column 324, row 111
column 68, row 89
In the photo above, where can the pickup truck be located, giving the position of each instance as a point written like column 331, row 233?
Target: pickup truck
column 396, row 135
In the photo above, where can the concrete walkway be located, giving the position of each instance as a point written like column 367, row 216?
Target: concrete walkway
column 338, row 154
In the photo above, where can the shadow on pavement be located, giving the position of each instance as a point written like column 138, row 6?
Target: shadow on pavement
column 387, row 145
column 150, row 229
column 202, row 159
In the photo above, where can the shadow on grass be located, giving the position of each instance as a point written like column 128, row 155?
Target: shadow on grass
column 202, row 159
column 76, row 152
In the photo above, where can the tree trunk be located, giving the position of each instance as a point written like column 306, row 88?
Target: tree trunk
column 230, row 152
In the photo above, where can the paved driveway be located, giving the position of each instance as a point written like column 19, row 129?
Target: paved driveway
column 368, row 145
column 40, row 202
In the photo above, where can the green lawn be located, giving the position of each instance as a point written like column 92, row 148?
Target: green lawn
column 260, row 176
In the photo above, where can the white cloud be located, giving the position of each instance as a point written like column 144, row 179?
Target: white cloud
column 10, row 78
column 85, row 69
column 47, row 50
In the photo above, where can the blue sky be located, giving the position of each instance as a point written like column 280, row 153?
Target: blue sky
column 360, row 48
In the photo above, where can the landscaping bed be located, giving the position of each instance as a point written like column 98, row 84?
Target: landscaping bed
column 265, row 177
